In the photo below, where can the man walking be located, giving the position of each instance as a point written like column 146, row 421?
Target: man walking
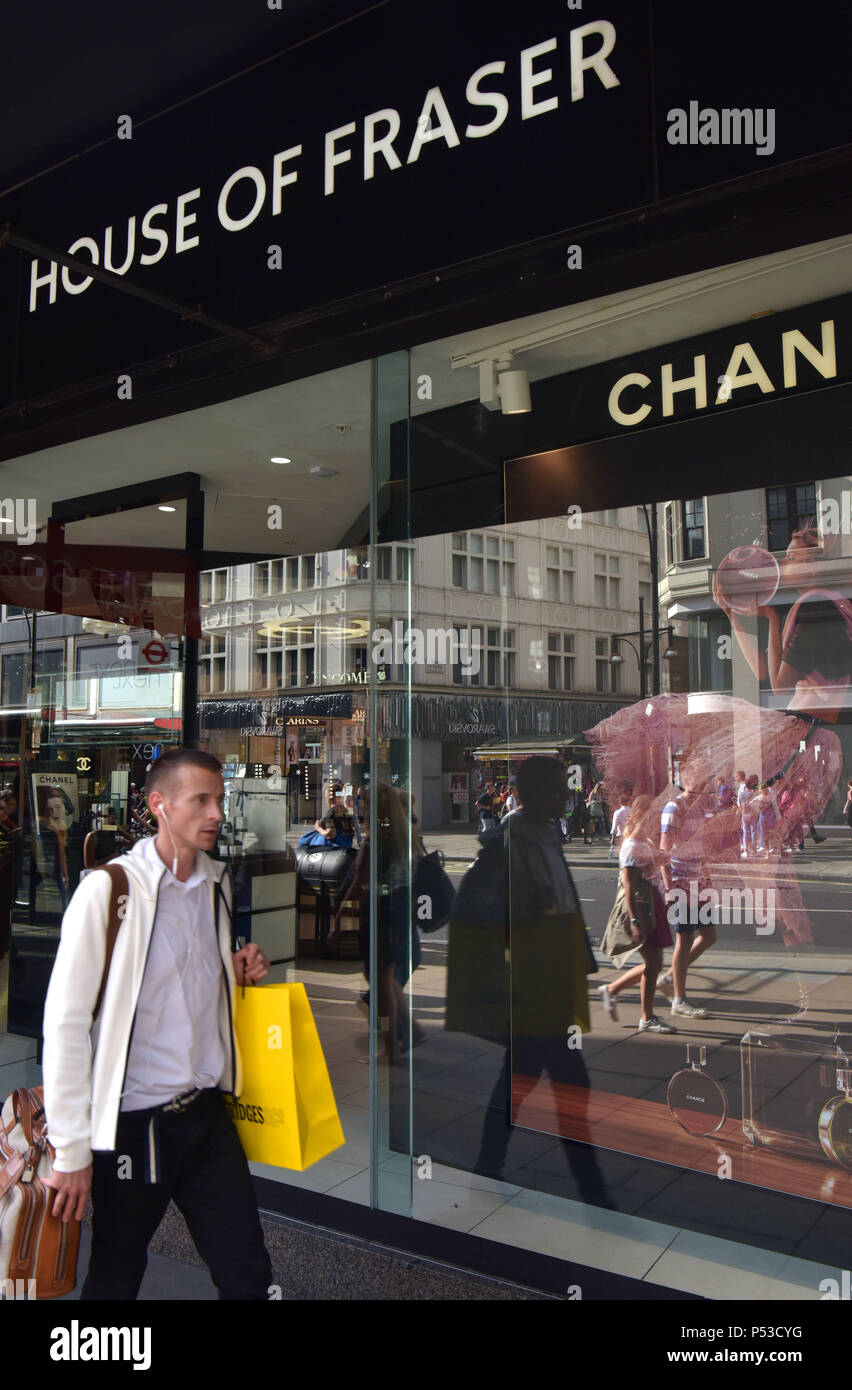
column 485, row 806
column 134, row 1101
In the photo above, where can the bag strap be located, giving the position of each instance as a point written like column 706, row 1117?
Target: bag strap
column 22, row 1112
column 120, row 886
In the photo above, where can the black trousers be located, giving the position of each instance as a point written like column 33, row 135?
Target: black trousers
column 202, row 1167
column 533, row 1056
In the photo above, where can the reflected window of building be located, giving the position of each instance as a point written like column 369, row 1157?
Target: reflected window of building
column 14, row 674
column 358, row 563
column 787, row 509
column 212, row 658
column 694, row 542
column 483, row 564
column 607, row 582
column 214, row 585
column 668, row 535
column 49, row 668
column 296, row 666
column 269, row 658
column 559, row 573
column 403, row 563
column 268, row 577
column 500, row 666
column 468, row 644
column 560, row 661
column 606, row 674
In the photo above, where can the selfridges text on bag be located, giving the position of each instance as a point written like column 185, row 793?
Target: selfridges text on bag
column 286, row 1113
column 38, row 1251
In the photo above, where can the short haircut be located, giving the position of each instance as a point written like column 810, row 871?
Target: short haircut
column 535, row 772
column 165, row 771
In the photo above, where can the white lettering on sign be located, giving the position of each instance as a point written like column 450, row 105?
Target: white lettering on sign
column 379, row 137
column 628, row 402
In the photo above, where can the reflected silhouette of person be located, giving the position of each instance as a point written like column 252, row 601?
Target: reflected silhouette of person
column 517, row 967
column 398, row 951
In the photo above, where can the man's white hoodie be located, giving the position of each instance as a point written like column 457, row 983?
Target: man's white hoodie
column 84, row 1065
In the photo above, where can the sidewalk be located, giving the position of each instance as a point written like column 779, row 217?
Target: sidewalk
column 830, row 861
column 309, row 1263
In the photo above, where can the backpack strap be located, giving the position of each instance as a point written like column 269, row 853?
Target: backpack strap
column 120, row 886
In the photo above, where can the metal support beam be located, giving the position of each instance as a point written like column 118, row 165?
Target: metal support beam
column 185, row 312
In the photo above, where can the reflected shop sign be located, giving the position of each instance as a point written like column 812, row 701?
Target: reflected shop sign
column 455, row 719
column 269, row 717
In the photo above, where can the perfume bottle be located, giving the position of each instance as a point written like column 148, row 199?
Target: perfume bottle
column 789, row 1081
column 835, row 1122
column 696, row 1099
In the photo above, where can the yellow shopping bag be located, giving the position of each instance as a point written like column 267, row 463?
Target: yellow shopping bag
column 286, row 1115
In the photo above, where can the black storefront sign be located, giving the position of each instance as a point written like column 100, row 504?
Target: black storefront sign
column 416, row 138
column 390, row 149
column 471, row 719
column 795, row 364
column 268, row 716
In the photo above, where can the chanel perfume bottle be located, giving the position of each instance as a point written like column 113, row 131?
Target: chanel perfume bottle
column 835, row 1122
column 696, row 1099
column 790, row 1081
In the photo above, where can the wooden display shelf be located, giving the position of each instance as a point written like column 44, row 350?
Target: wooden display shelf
column 648, row 1130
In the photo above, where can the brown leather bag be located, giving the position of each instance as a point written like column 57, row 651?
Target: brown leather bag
column 38, row 1251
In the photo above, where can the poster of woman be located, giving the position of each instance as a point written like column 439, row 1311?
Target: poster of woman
column 56, row 810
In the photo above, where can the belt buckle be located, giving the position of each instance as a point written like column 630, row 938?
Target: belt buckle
column 182, row 1103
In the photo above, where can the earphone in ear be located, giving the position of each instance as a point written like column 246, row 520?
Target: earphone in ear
column 172, row 838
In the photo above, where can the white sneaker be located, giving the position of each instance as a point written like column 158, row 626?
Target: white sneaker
column 680, row 1006
column 744, row 854
column 608, row 1002
column 655, row 1024
column 665, row 983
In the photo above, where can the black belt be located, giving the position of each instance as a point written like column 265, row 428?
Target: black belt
column 183, row 1101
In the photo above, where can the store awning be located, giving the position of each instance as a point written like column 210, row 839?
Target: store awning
column 515, row 751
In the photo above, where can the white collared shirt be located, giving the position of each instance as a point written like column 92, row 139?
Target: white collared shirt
column 176, row 1044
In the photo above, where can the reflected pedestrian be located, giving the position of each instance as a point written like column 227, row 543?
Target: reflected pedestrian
column 638, row 919
column 518, row 904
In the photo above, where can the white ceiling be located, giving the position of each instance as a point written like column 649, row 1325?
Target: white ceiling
column 230, row 444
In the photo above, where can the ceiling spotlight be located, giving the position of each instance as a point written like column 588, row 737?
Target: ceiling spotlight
column 503, row 388
column 164, row 508
column 279, row 458
column 319, row 472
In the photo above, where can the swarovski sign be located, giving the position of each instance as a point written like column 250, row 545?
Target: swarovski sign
column 177, row 226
